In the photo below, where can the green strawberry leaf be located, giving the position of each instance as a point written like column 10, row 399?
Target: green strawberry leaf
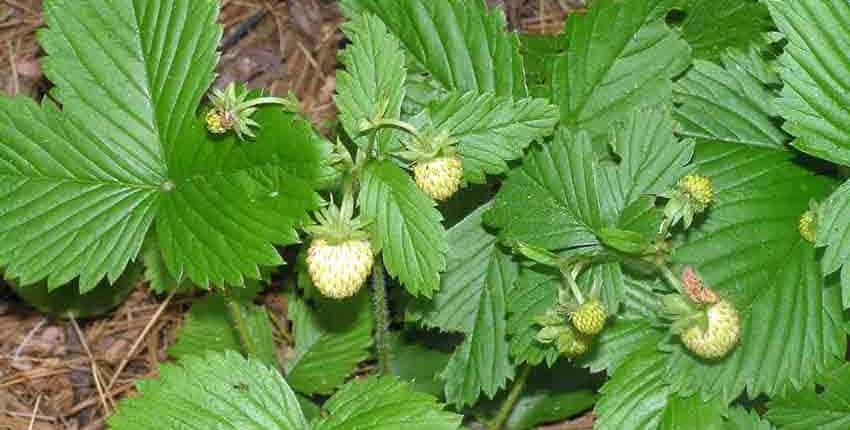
column 539, row 52
column 728, row 104
column 406, row 227
column 749, row 250
column 533, row 293
column 156, row 271
column 414, row 360
column 620, row 339
column 636, row 394
column 209, row 329
column 600, row 80
column 330, row 341
column 471, row 300
column 372, row 84
column 218, row 391
column 685, row 413
column 82, row 186
column 712, row 26
column 833, row 224
column 551, row 200
column 824, row 409
column 815, row 70
column 491, row 130
column 384, row 404
column 459, row 43
column 741, row 419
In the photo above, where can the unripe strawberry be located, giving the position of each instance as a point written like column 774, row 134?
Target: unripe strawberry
column 217, row 122
column 339, row 270
column 698, row 190
column 589, row 318
column 440, row 177
column 808, row 226
column 721, row 335
column 571, row 346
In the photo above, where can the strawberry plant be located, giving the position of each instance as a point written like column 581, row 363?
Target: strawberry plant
column 642, row 215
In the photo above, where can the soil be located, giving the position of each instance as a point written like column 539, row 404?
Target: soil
column 57, row 374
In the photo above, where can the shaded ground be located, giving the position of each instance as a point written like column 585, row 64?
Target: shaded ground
column 49, row 378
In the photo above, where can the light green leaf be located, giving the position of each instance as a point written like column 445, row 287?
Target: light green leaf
column 233, row 201
column 815, row 99
column 472, row 301
column 833, row 224
column 416, row 362
column 209, row 329
column 491, row 130
column 330, row 341
column 712, row 26
column 741, row 419
column 218, row 391
column 651, row 158
column 81, row 187
column 384, row 404
column 459, row 43
column 551, row 200
column 406, row 227
column 534, row 293
column 636, row 394
column 826, row 409
column 372, row 84
column 727, row 104
column 156, row 271
column 601, row 79
column 692, row 413
column 749, row 250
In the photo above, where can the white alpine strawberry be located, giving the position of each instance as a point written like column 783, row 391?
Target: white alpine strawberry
column 440, row 177
column 589, row 317
column 339, row 270
column 716, row 339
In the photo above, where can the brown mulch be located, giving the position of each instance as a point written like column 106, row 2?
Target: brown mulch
column 49, row 379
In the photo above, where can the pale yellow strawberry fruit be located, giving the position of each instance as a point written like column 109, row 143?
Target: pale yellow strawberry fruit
column 339, row 270
column 721, row 336
column 589, row 318
column 440, row 177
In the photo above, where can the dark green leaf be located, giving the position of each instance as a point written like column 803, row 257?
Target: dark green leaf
column 824, row 409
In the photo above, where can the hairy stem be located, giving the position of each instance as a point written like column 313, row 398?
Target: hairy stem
column 510, row 401
column 670, row 277
column 234, row 308
column 381, row 312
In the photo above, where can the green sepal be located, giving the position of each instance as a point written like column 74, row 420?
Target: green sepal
column 627, row 241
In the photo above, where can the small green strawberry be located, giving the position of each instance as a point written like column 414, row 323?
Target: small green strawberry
column 589, row 318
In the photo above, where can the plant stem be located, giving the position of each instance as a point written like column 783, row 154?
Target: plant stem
column 510, row 401
column 234, row 308
column 381, row 312
column 670, row 277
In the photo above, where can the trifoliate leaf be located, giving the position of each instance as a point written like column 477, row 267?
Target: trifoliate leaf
column 826, row 409
column 749, row 251
column 551, row 200
column 816, row 72
column 712, row 26
column 209, row 328
column 833, row 224
column 82, row 186
column 535, row 292
column 406, row 227
column 372, row 84
column 330, row 340
column 727, row 104
column 600, row 80
column 741, row 419
column 491, row 130
column 384, row 404
column 219, row 391
column 459, row 43
column 471, row 300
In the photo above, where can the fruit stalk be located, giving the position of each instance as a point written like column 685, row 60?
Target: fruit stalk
column 381, row 314
column 508, row 404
